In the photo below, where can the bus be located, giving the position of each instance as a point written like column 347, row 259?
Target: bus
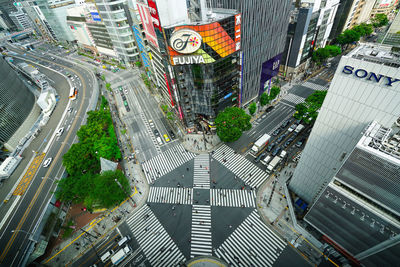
column 72, row 93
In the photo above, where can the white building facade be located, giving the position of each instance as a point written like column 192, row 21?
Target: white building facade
column 366, row 87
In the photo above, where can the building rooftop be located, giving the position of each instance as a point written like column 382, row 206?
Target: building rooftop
column 381, row 54
column 215, row 14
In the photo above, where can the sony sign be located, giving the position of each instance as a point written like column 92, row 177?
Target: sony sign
column 182, row 60
column 370, row 76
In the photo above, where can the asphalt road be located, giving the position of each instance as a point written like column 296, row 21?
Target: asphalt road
column 27, row 214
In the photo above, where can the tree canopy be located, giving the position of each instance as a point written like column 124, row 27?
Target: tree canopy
column 96, row 139
column 264, row 99
column 348, row 37
column 94, row 190
column 252, row 108
column 308, row 111
column 231, row 123
column 363, row 29
column 380, row 20
column 323, row 53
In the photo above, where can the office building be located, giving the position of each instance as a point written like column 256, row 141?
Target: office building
column 76, row 20
column 358, row 213
column 16, row 103
column 365, row 87
column 392, row 36
column 384, row 7
column 351, row 13
column 115, row 16
column 20, row 19
column 309, row 28
column 264, row 29
column 6, row 8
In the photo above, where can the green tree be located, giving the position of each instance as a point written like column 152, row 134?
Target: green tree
column 138, row 64
column 103, row 77
column 320, row 55
column 231, row 123
column 264, row 99
column 79, row 159
column 107, row 192
column 348, row 37
column 275, row 90
column 363, row 29
column 164, row 108
column 333, row 50
column 170, row 115
column 380, row 20
column 104, row 102
column 252, row 108
column 108, row 86
column 308, row 111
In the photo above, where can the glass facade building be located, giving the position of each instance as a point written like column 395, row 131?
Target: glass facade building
column 16, row 102
column 206, row 81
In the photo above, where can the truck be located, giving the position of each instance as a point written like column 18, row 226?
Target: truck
column 274, row 162
column 299, row 128
column 266, row 160
column 259, row 144
column 121, row 255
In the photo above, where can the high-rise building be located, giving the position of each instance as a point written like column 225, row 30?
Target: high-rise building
column 358, row 213
column 76, row 20
column 384, row 7
column 309, row 28
column 20, row 19
column 6, row 8
column 351, row 13
column 365, row 87
column 264, row 29
column 55, row 13
column 16, row 103
column 115, row 16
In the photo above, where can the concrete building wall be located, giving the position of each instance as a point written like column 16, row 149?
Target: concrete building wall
column 350, row 105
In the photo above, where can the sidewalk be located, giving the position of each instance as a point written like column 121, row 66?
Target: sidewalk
column 200, row 144
column 98, row 225
column 275, row 212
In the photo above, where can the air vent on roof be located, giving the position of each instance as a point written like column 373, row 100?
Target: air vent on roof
column 374, row 53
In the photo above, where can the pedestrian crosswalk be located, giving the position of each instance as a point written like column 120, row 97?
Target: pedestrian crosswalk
column 151, row 135
column 233, row 198
column 293, row 98
column 240, row 166
column 201, row 176
column 157, row 245
column 251, row 244
column 201, row 231
column 315, row 86
column 165, row 162
column 171, row 195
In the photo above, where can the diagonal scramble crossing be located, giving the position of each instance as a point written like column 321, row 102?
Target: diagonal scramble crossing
column 240, row 166
column 201, row 231
column 165, row 162
column 201, row 177
column 157, row 245
column 251, row 244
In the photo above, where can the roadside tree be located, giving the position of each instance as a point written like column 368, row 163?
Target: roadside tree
column 231, row 123
column 380, row 20
column 264, row 99
column 252, row 108
column 308, row 111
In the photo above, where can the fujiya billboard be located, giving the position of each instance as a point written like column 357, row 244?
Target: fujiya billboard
column 185, row 41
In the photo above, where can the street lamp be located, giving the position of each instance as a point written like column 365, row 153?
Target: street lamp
column 30, row 234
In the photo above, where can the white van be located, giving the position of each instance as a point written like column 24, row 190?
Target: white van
column 106, row 256
column 159, row 141
column 124, row 240
column 266, row 160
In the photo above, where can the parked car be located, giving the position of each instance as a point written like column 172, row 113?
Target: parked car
column 269, row 108
column 47, row 162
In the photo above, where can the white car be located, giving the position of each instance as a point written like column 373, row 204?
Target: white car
column 70, row 110
column 60, row 131
column 47, row 162
column 126, row 91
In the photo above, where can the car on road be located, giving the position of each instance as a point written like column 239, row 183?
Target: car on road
column 270, row 147
column 287, row 143
column 285, row 123
column 120, row 88
column 300, row 143
column 159, row 141
column 47, row 162
column 280, row 138
column 156, row 132
column 123, row 97
column 276, row 151
column 151, row 123
column 166, row 138
column 292, row 127
column 60, row 131
column 70, row 110
column 269, row 108
column 171, row 133
column 276, row 132
column 262, row 155
column 127, row 109
column 125, row 103
column 126, row 91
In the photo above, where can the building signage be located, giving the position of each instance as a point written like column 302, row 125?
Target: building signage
column 147, row 23
column 185, row 41
column 182, row 60
column 238, row 23
column 154, row 14
column 370, row 76
column 95, row 16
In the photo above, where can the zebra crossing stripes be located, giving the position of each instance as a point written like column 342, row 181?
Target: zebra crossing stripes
column 153, row 138
column 293, row 98
column 165, row 162
column 171, row 195
column 233, row 198
column 315, row 86
column 251, row 244
column 157, row 245
column 201, row 231
column 240, row 166
column 201, row 177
